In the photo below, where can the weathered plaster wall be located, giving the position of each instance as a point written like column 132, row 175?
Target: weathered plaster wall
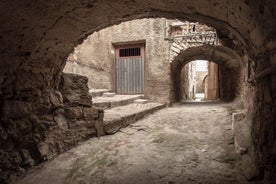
column 97, row 74
column 95, row 57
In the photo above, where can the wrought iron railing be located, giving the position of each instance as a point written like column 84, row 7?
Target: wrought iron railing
column 209, row 38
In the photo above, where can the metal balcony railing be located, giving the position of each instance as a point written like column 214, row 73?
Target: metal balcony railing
column 209, row 38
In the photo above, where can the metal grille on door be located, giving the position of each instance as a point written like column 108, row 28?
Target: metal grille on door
column 130, row 70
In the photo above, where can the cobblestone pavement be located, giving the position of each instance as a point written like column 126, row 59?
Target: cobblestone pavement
column 180, row 144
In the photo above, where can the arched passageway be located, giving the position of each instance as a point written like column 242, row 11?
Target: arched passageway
column 49, row 45
column 200, row 81
column 37, row 37
column 230, row 63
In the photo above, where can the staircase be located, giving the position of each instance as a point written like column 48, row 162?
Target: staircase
column 122, row 110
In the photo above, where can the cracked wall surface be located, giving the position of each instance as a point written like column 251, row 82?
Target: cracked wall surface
column 37, row 37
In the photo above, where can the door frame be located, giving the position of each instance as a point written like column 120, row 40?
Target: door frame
column 117, row 47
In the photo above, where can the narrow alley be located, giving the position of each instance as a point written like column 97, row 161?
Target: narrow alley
column 108, row 92
column 185, row 143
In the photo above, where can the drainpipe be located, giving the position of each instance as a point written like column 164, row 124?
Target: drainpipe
column 74, row 66
column 75, row 58
column 166, row 30
column 264, row 73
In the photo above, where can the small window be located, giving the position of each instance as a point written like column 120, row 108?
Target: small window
column 129, row 52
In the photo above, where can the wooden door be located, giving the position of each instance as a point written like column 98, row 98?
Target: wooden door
column 130, row 69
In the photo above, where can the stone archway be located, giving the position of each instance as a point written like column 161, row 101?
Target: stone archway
column 230, row 63
column 63, row 25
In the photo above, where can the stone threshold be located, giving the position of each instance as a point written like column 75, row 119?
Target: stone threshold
column 119, row 117
column 97, row 92
column 115, row 101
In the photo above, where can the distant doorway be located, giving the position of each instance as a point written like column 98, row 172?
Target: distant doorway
column 200, row 81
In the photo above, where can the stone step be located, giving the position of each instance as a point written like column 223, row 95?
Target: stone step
column 141, row 101
column 109, row 94
column 119, row 117
column 97, row 92
column 115, row 101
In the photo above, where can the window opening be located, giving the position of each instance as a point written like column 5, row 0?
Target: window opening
column 129, row 52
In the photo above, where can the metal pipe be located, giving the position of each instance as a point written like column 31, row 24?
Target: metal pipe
column 263, row 73
column 166, row 35
column 197, row 34
column 266, row 72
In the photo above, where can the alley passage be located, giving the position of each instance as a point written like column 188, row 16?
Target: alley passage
column 180, row 144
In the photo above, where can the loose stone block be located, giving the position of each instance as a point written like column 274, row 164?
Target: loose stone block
column 241, row 132
column 74, row 90
column 61, row 121
column 43, row 148
column 73, row 113
column 56, row 98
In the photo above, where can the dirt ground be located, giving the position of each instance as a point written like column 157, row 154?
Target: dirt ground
column 186, row 143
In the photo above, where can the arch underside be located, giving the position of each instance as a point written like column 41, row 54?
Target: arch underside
column 230, row 69
column 64, row 25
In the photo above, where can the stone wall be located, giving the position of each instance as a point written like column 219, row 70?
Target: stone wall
column 231, row 73
column 98, row 75
column 231, row 84
column 200, row 86
column 31, row 133
column 264, row 126
column 95, row 57
column 188, row 81
column 185, row 83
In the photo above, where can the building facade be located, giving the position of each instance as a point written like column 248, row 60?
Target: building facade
column 135, row 57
